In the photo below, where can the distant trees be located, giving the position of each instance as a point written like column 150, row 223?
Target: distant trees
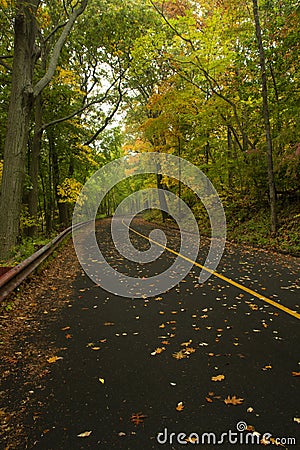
column 223, row 96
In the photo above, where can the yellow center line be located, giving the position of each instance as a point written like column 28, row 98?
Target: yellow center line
column 222, row 277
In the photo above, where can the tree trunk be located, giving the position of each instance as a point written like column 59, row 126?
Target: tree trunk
column 23, row 94
column 17, row 127
column 33, row 198
column 161, row 195
column 271, row 181
column 229, row 158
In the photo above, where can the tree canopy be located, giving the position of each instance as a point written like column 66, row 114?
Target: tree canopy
column 84, row 82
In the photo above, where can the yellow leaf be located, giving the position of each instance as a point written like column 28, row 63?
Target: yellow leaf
column 267, row 367
column 53, row 359
column 218, row 378
column 158, row 350
column 85, row 434
column 102, row 381
column 179, row 355
column 186, row 344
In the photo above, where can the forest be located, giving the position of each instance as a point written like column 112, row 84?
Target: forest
column 213, row 81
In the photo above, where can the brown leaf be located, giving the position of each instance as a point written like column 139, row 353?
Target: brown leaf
column 137, row 418
column 208, row 399
column 68, row 336
column 65, row 328
column 233, row 400
column 108, row 324
column 296, row 374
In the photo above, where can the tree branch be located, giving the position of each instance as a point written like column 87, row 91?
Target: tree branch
column 75, row 113
column 108, row 118
column 43, row 82
column 55, row 29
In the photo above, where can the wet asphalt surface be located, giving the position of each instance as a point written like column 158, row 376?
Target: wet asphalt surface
column 123, row 357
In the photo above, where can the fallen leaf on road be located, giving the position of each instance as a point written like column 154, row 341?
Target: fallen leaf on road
column 233, row 400
column 208, row 399
column 65, row 328
column 179, row 355
column 180, row 406
column 158, row 350
column 189, row 350
column 186, row 344
column 297, row 419
column 296, row 374
column 218, row 378
column 267, row 367
column 102, row 381
column 137, row 418
column 85, row 434
column 53, row 359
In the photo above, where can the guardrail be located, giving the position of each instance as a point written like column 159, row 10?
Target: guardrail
column 15, row 276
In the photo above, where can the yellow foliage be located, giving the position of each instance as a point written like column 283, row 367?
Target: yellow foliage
column 69, row 190
column 4, row 3
column 44, row 18
column 67, row 77
column 85, row 155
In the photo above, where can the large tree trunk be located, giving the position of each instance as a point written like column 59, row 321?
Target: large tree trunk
column 271, row 181
column 17, row 127
column 23, row 94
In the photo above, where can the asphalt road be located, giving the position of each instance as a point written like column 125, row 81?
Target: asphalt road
column 135, row 367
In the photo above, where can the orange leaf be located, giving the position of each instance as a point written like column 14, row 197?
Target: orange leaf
column 233, row 400
column 180, row 406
